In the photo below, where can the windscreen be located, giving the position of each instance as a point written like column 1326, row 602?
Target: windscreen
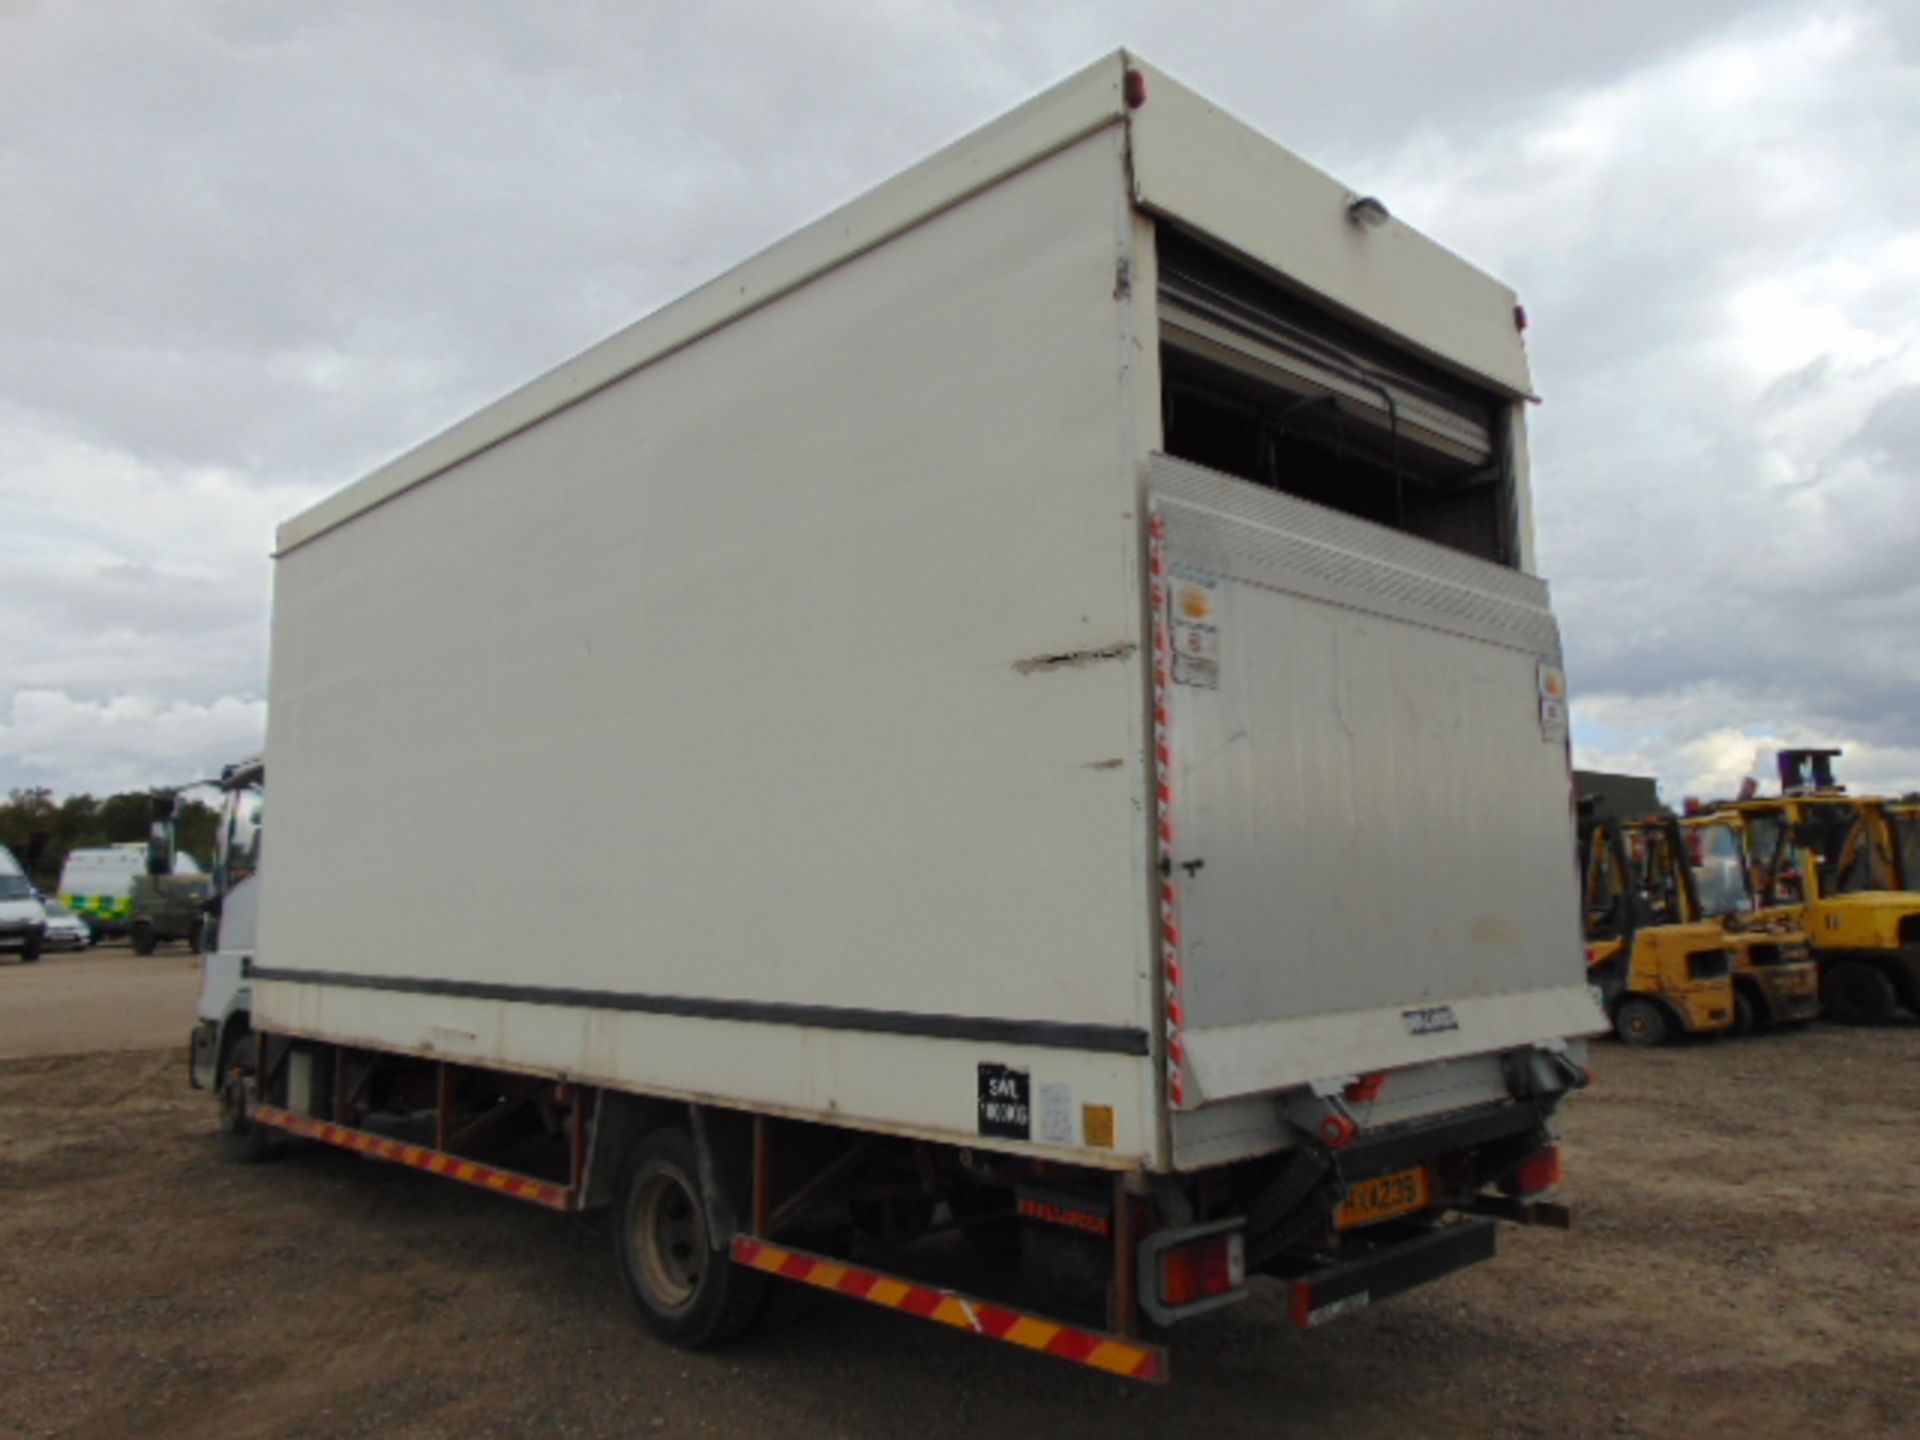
column 1719, row 869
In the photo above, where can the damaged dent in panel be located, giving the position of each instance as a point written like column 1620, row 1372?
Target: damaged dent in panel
column 1074, row 659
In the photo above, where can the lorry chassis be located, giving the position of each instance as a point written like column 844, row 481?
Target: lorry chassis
column 740, row 1198
column 375, row 1103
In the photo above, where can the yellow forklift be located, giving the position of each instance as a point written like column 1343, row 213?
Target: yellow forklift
column 1842, row 869
column 1658, row 974
column 1775, row 979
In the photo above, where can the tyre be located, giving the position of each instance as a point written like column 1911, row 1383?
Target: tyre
column 30, row 955
column 1857, row 993
column 690, row 1294
column 245, row 1141
column 1746, row 1016
column 143, row 941
column 1641, row 1022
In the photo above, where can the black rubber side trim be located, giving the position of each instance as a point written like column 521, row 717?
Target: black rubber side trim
column 1040, row 1034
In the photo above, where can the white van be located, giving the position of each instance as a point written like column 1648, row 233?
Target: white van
column 23, row 921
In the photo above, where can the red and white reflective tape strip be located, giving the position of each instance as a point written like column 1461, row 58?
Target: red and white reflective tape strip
column 1114, row 1354
column 420, row 1157
column 1163, row 806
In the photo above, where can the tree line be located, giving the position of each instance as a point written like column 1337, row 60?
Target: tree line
column 41, row 831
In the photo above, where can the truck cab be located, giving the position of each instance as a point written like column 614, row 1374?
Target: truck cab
column 226, row 1001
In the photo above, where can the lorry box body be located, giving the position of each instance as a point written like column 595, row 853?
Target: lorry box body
column 810, row 639
column 1045, row 660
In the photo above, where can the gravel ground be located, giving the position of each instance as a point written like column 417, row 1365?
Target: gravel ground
column 107, row 998
column 1745, row 1262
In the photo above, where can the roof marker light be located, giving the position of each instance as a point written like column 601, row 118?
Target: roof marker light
column 1135, row 89
column 1367, row 212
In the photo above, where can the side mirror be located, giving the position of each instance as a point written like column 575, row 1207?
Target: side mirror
column 160, row 836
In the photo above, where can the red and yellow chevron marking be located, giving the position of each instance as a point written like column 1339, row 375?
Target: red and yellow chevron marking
column 1170, row 961
column 420, row 1157
column 1111, row 1353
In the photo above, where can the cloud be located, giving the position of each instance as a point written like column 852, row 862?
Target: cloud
column 126, row 743
column 255, row 251
column 1718, row 253
column 1694, row 753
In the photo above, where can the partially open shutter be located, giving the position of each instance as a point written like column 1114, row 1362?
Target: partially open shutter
column 1205, row 313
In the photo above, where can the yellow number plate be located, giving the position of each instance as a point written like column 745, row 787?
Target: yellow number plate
column 1381, row 1197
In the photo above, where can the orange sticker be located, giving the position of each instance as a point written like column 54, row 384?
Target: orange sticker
column 1096, row 1124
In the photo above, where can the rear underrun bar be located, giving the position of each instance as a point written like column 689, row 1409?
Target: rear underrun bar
column 1115, row 1354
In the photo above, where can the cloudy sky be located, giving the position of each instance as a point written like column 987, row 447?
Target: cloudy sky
column 250, row 250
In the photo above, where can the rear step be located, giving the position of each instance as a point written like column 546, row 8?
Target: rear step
column 1346, row 1289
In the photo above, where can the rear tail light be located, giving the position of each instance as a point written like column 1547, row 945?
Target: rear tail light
column 1539, row 1171
column 1202, row 1269
column 1190, row 1271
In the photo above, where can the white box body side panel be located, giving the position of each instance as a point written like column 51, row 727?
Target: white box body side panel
column 1198, row 165
column 1058, row 117
column 896, row 1084
column 738, row 645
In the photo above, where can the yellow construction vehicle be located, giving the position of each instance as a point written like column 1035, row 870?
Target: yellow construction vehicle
column 1658, row 973
column 1775, row 978
column 1842, row 868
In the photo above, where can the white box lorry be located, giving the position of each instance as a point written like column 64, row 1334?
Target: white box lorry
column 1035, row 718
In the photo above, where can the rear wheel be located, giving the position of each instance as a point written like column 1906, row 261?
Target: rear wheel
column 1641, row 1022
column 30, row 954
column 1857, row 993
column 143, row 941
column 689, row 1293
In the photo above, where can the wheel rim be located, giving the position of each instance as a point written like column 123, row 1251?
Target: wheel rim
column 669, row 1240
column 1638, row 1025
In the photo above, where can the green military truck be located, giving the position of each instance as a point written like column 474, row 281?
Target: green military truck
column 166, row 907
